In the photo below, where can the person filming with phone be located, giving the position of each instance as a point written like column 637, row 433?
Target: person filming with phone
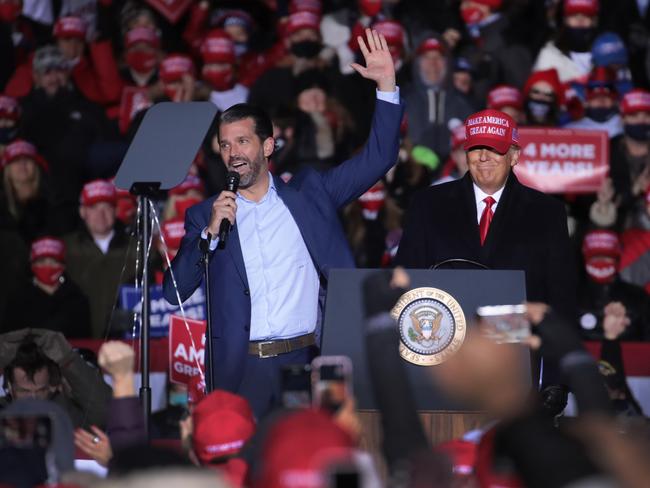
column 267, row 280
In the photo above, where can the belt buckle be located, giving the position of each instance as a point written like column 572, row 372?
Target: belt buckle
column 260, row 354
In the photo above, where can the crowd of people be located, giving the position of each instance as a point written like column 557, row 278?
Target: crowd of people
column 77, row 78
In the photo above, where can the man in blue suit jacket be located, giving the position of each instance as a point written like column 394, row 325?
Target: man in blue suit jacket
column 267, row 285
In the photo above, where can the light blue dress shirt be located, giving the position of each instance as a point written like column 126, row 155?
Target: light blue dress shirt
column 282, row 278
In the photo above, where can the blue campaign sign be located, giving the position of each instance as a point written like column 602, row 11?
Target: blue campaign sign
column 160, row 308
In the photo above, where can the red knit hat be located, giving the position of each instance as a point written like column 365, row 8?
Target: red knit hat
column 19, row 148
column 174, row 66
column 491, row 128
column 97, row 191
column 299, row 447
column 48, row 247
column 636, row 100
column 601, row 243
column 70, row 27
column 551, row 77
column 504, row 96
column 585, row 7
column 223, row 422
column 218, row 47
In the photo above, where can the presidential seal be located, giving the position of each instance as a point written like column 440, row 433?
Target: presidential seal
column 431, row 326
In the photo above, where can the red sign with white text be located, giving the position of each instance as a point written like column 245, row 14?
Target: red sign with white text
column 563, row 160
column 186, row 349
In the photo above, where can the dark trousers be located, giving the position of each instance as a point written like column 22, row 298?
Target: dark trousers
column 261, row 383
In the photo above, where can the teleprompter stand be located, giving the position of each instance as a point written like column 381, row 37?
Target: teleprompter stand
column 158, row 158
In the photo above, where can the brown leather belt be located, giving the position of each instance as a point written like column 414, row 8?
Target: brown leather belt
column 269, row 349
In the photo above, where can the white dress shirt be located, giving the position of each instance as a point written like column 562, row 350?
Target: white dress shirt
column 480, row 195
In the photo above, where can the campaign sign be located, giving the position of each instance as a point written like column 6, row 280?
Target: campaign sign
column 159, row 308
column 186, row 349
column 563, row 160
column 172, row 10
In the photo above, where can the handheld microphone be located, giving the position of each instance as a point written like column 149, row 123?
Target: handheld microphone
column 232, row 183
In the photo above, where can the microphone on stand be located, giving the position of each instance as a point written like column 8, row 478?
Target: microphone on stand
column 232, row 183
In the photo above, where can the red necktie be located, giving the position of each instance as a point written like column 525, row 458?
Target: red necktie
column 486, row 218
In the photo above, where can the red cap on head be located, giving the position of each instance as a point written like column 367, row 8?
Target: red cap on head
column 190, row 182
column 174, row 66
column 430, row 44
column 601, row 82
column 636, row 100
column 9, row 108
column 491, row 128
column 549, row 76
column 313, row 6
column 223, row 422
column 299, row 447
column 98, row 191
column 302, row 20
column 67, row 27
column 48, row 247
column 457, row 134
column 173, row 231
column 586, row 7
column 218, row 47
column 392, row 31
column 19, row 148
column 462, row 454
column 504, row 96
column 601, row 243
column 147, row 35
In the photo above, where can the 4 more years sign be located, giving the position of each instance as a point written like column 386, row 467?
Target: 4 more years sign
column 563, row 160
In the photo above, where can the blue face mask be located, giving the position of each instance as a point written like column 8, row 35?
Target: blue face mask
column 178, row 399
column 7, row 134
column 638, row 132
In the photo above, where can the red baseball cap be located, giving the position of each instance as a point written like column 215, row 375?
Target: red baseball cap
column 457, row 135
column 313, row 6
column 9, row 108
column 585, row 7
column 601, row 243
column 19, row 148
column 223, row 422
column 430, row 44
column 98, row 191
column 636, row 100
column 173, row 231
column 491, row 128
column 147, row 35
column 392, row 31
column 174, row 66
column 505, row 96
column 190, row 182
column 302, row 20
column 299, row 447
column 70, row 27
column 218, row 47
column 48, row 247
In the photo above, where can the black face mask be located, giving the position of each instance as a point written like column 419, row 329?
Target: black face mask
column 306, row 49
column 600, row 114
column 579, row 39
column 638, row 132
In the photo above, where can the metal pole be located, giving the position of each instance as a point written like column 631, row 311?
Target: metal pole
column 209, row 373
column 145, row 389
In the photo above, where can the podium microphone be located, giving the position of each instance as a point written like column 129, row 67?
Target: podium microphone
column 232, row 183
